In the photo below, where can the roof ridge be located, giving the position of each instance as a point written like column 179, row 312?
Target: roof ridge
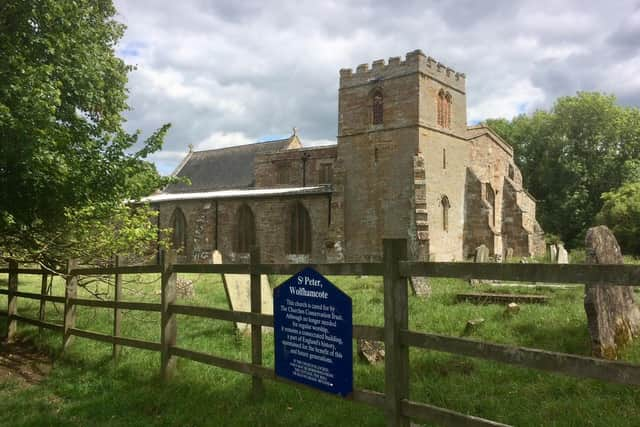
column 244, row 145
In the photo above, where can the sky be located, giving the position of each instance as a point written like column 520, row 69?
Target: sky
column 235, row 72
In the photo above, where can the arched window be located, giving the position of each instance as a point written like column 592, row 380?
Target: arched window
column 179, row 225
column 246, row 231
column 447, row 107
column 378, row 107
column 440, row 108
column 300, row 230
column 443, row 107
column 445, row 212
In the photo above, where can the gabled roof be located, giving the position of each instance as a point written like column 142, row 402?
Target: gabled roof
column 476, row 131
column 225, row 168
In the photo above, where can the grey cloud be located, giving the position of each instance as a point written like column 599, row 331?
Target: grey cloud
column 258, row 68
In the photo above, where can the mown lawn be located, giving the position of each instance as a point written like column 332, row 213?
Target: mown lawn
column 85, row 388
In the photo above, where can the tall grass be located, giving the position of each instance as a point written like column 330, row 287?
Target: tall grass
column 87, row 388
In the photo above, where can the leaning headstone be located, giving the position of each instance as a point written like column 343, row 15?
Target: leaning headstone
column 553, row 254
column 481, row 255
column 238, row 290
column 420, row 287
column 371, row 351
column 563, row 255
column 612, row 315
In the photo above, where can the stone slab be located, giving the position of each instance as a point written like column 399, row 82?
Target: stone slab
column 613, row 317
column 491, row 298
column 238, row 290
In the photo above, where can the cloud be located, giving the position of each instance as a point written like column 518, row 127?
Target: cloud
column 225, row 73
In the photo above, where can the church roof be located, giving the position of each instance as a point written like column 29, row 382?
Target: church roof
column 225, row 168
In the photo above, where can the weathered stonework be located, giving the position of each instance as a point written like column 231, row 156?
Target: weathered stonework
column 416, row 172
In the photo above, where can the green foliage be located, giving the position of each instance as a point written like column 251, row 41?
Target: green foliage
column 66, row 163
column 585, row 146
column 621, row 213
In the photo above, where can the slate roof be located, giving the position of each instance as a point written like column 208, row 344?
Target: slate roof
column 224, row 168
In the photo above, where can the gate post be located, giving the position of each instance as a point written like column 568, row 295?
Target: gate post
column 117, row 314
column 256, row 330
column 12, row 301
column 70, row 292
column 396, row 319
column 169, row 326
column 43, row 293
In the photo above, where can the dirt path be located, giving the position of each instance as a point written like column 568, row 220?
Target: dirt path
column 22, row 362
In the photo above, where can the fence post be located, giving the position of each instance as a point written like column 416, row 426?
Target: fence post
column 256, row 331
column 12, row 301
column 117, row 314
column 70, row 291
column 43, row 293
column 169, row 325
column 396, row 319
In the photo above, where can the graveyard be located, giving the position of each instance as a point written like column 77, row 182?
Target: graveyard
column 87, row 387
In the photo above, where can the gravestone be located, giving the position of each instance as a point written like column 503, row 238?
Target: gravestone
column 481, row 255
column 508, row 254
column 553, row 254
column 563, row 255
column 612, row 315
column 420, row 287
column 238, row 290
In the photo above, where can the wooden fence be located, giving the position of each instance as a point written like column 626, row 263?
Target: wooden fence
column 395, row 401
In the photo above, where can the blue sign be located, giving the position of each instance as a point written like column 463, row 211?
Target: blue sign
column 313, row 333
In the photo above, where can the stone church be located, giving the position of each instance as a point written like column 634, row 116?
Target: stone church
column 406, row 165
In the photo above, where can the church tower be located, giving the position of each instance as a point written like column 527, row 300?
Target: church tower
column 396, row 121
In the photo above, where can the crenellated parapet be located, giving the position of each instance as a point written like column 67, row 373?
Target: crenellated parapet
column 415, row 61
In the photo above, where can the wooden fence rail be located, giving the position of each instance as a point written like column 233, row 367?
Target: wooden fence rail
column 395, row 401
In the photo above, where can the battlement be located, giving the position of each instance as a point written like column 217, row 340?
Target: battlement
column 415, row 61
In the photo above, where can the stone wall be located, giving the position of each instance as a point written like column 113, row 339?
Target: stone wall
column 271, row 215
column 477, row 228
column 377, row 158
column 266, row 166
column 446, row 158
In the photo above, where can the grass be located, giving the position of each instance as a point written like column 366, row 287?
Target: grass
column 86, row 388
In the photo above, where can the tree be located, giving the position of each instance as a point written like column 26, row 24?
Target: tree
column 573, row 154
column 67, row 166
column 621, row 213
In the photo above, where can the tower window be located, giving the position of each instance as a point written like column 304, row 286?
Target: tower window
column 246, row 232
column 445, row 213
column 443, row 109
column 179, row 225
column 444, row 158
column 300, row 230
column 378, row 105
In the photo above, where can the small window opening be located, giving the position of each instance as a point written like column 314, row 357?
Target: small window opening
column 378, row 108
column 445, row 213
